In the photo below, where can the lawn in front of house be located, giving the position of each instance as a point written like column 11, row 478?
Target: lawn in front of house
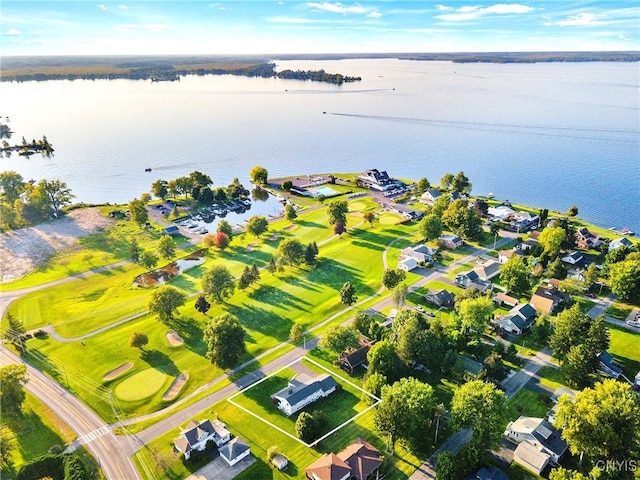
column 526, row 403
column 339, row 407
column 625, row 347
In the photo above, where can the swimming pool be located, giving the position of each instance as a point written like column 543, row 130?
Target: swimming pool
column 324, row 191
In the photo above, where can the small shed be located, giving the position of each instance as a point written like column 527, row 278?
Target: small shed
column 172, row 230
column 280, row 462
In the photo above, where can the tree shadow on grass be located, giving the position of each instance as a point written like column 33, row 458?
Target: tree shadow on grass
column 160, row 361
column 261, row 320
column 277, row 296
column 192, row 334
column 333, row 274
column 306, row 223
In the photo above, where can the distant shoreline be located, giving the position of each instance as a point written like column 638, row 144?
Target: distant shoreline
column 170, row 67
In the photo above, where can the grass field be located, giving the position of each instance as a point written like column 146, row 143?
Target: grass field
column 528, row 403
column 32, row 434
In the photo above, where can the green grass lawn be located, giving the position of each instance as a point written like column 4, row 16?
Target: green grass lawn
column 619, row 310
column 339, row 407
column 528, row 403
column 33, row 434
column 625, row 347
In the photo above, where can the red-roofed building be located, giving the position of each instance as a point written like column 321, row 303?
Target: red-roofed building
column 328, row 467
column 359, row 461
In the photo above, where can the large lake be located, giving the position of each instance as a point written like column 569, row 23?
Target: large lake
column 548, row 135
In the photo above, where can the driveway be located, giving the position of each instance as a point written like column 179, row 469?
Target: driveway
column 218, row 469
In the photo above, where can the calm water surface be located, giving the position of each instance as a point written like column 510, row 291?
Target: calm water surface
column 548, row 135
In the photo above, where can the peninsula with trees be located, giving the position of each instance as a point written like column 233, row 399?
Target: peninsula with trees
column 396, row 317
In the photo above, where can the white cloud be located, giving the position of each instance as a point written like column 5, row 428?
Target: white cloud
column 102, row 7
column 12, row 32
column 443, row 8
column 287, row 20
column 151, row 27
column 123, row 7
column 337, row 8
column 468, row 13
column 581, row 20
column 374, row 14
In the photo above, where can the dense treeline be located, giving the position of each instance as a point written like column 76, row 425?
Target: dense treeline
column 532, row 57
column 317, row 76
column 146, row 70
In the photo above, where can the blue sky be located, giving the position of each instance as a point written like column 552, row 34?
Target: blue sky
column 229, row 27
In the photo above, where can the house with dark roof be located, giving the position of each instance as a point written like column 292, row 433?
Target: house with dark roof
column 355, row 358
column 523, row 221
column 620, row 242
column 547, row 298
column 519, row 319
column 303, row 390
column 440, row 298
column 197, row 434
column 377, row 180
column 490, row 473
column 430, row 196
column 487, row 270
column 472, row 368
column 171, row 230
column 606, row 365
column 420, row 253
column 572, row 258
column 586, row 239
column 359, row 461
column 540, row 434
column 472, row 279
column 234, row 451
column 451, row 241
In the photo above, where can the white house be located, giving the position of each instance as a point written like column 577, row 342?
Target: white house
column 303, row 390
column 407, row 264
column 500, row 212
column 539, row 433
column 487, row 270
column 198, row 434
column 519, row 319
column 430, row 196
column 234, row 451
column 420, row 253
column 572, row 258
column 620, row 242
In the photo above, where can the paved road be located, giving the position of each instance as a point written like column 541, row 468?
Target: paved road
column 108, row 450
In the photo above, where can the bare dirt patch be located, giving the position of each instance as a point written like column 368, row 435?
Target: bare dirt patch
column 174, row 339
column 116, row 372
column 175, row 387
column 24, row 250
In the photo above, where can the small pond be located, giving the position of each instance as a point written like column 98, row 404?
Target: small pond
column 171, row 271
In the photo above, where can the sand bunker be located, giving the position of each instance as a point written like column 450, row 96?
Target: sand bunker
column 116, row 372
column 177, row 384
column 251, row 246
column 274, row 237
column 174, row 339
column 288, row 228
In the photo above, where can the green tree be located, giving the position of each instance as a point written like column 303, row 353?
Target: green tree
column 392, row 277
column 430, row 227
column 479, row 406
column 259, row 174
column 138, row 212
column 373, row 384
column 561, row 473
column 556, row 269
column 337, row 212
column 447, row 467
column 165, row 301
column 591, row 275
column 578, row 366
column 12, row 185
column 202, row 305
column 199, row 179
column 475, row 314
column 369, row 217
column 405, row 411
column 383, row 359
column 257, row 225
column 310, row 426
column 515, row 276
column 134, row 250
column 602, row 422
column 571, row 329
column 551, row 239
column 138, row 340
column 13, row 378
column 291, row 251
column 148, row 259
column 440, row 206
column 446, row 181
column 159, row 189
column 348, row 294
column 462, row 220
column 461, row 184
column 573, row 211
column 399, row 295
column 58, row 193
column 624, row 278
column 7, row 446
column 225, row 227
column 296, row 333
column 13, row 328
column 339, row 229
column 245, row 279
column 166, row 246
column 290, row 212
column 310, row 254
column 225, row 340
column 218, row 283
column 423, row 185
column 340, row 338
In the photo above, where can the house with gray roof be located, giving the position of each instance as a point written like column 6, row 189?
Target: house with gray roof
column 620, row 242
column 539, row 435
column 303, row 390
column 472, row 279
column 440, row 298
column 606, row 365
column 487, row 270
column 234, row 451
column 198, row 434
column 519, row 319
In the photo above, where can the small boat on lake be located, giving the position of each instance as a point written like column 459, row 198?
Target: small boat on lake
column 623, row 231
